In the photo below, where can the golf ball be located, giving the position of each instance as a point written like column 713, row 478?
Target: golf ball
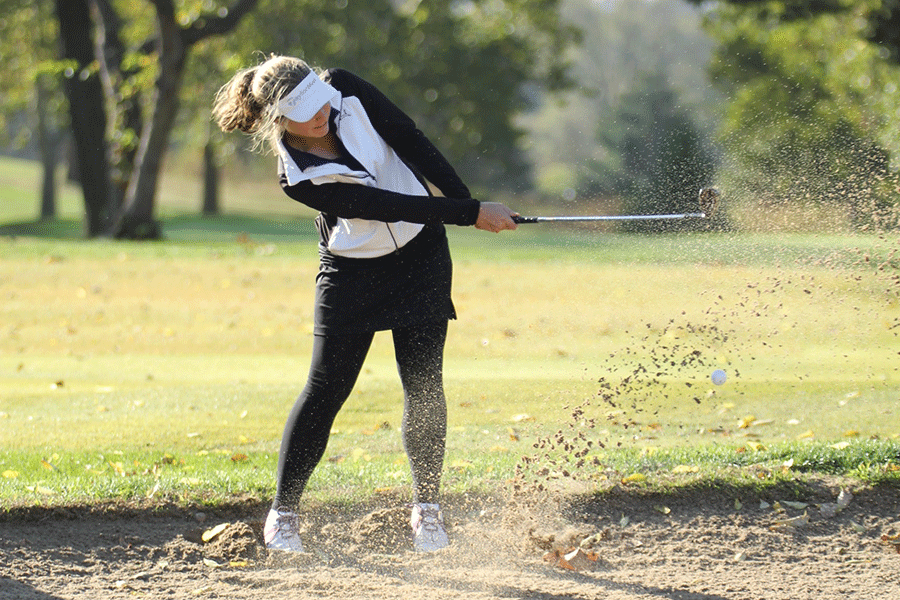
column 718, row 377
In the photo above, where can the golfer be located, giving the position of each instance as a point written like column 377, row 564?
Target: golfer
column 384, row 194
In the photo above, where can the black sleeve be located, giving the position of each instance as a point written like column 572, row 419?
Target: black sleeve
column 352, row 201
column 401, row 133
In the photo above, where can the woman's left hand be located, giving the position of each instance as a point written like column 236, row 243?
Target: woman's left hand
column 494, row 217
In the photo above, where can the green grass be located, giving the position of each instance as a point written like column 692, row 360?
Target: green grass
column 164, row 371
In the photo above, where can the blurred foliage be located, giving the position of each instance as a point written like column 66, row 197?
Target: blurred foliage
column 656, row 159
column 587, row 144
column 556, row 95
column 28, row 52
column 459, row 69
column 813, row 106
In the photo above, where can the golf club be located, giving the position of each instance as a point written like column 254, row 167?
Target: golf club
column 708, row 201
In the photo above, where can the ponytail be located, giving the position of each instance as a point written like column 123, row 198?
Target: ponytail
column 247, row 101
column 234, row 106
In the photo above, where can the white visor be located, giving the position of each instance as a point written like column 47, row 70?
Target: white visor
column 306, row 99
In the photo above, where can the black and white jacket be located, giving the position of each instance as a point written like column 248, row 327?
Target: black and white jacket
column 378, row 199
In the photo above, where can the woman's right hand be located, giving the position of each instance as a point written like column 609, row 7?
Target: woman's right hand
column 494, row 217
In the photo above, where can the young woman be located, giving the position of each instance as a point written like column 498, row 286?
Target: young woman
column 384, row 193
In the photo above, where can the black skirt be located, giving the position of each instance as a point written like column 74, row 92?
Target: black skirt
column 407, row 287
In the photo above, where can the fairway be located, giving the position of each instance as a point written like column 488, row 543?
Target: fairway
column 187, row 347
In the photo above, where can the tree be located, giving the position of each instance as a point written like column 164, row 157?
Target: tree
column 32, row 113
column 169, row 44
column 126, row 64
column 627, row 39
column 880, row 18
column 810, row 98
column 656, row 158
column 87, row 112
column 135, row 218
column 460, row 69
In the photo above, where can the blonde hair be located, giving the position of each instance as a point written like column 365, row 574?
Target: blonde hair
column 248, row 101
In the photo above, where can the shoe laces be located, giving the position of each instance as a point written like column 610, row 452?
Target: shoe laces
column 429, row 518
column 286, row 523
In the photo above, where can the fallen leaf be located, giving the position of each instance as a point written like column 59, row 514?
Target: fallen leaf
column 594, row 540
column 844, row 498
column 795, row 505
column 581, row 559
column 211, row 533
column 358, row 454
column 662, row 509
column 239, row 457
column 10, row 474
column 685, row 469
column 635, row 478
column 155, row 489
column 892, row 540
column 211, row 563
column 791, row 523
column 830, row 509
column 574, row 560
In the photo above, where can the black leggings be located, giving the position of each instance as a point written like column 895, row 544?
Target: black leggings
column 336, row 363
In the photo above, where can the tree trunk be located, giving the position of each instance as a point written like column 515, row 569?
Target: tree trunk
column 47, row 141
column 110, row 52
column 86, row 111
column 135, row 219
column 210, row 180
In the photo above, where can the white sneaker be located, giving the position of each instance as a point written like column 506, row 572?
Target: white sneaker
column 428, row 528
column 281, row 532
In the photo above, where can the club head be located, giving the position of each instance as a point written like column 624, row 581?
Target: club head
column 709, row 201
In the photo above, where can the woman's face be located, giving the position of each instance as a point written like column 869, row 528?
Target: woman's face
column 314, row 128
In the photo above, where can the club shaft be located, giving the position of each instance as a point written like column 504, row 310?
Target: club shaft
column 610, row 218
